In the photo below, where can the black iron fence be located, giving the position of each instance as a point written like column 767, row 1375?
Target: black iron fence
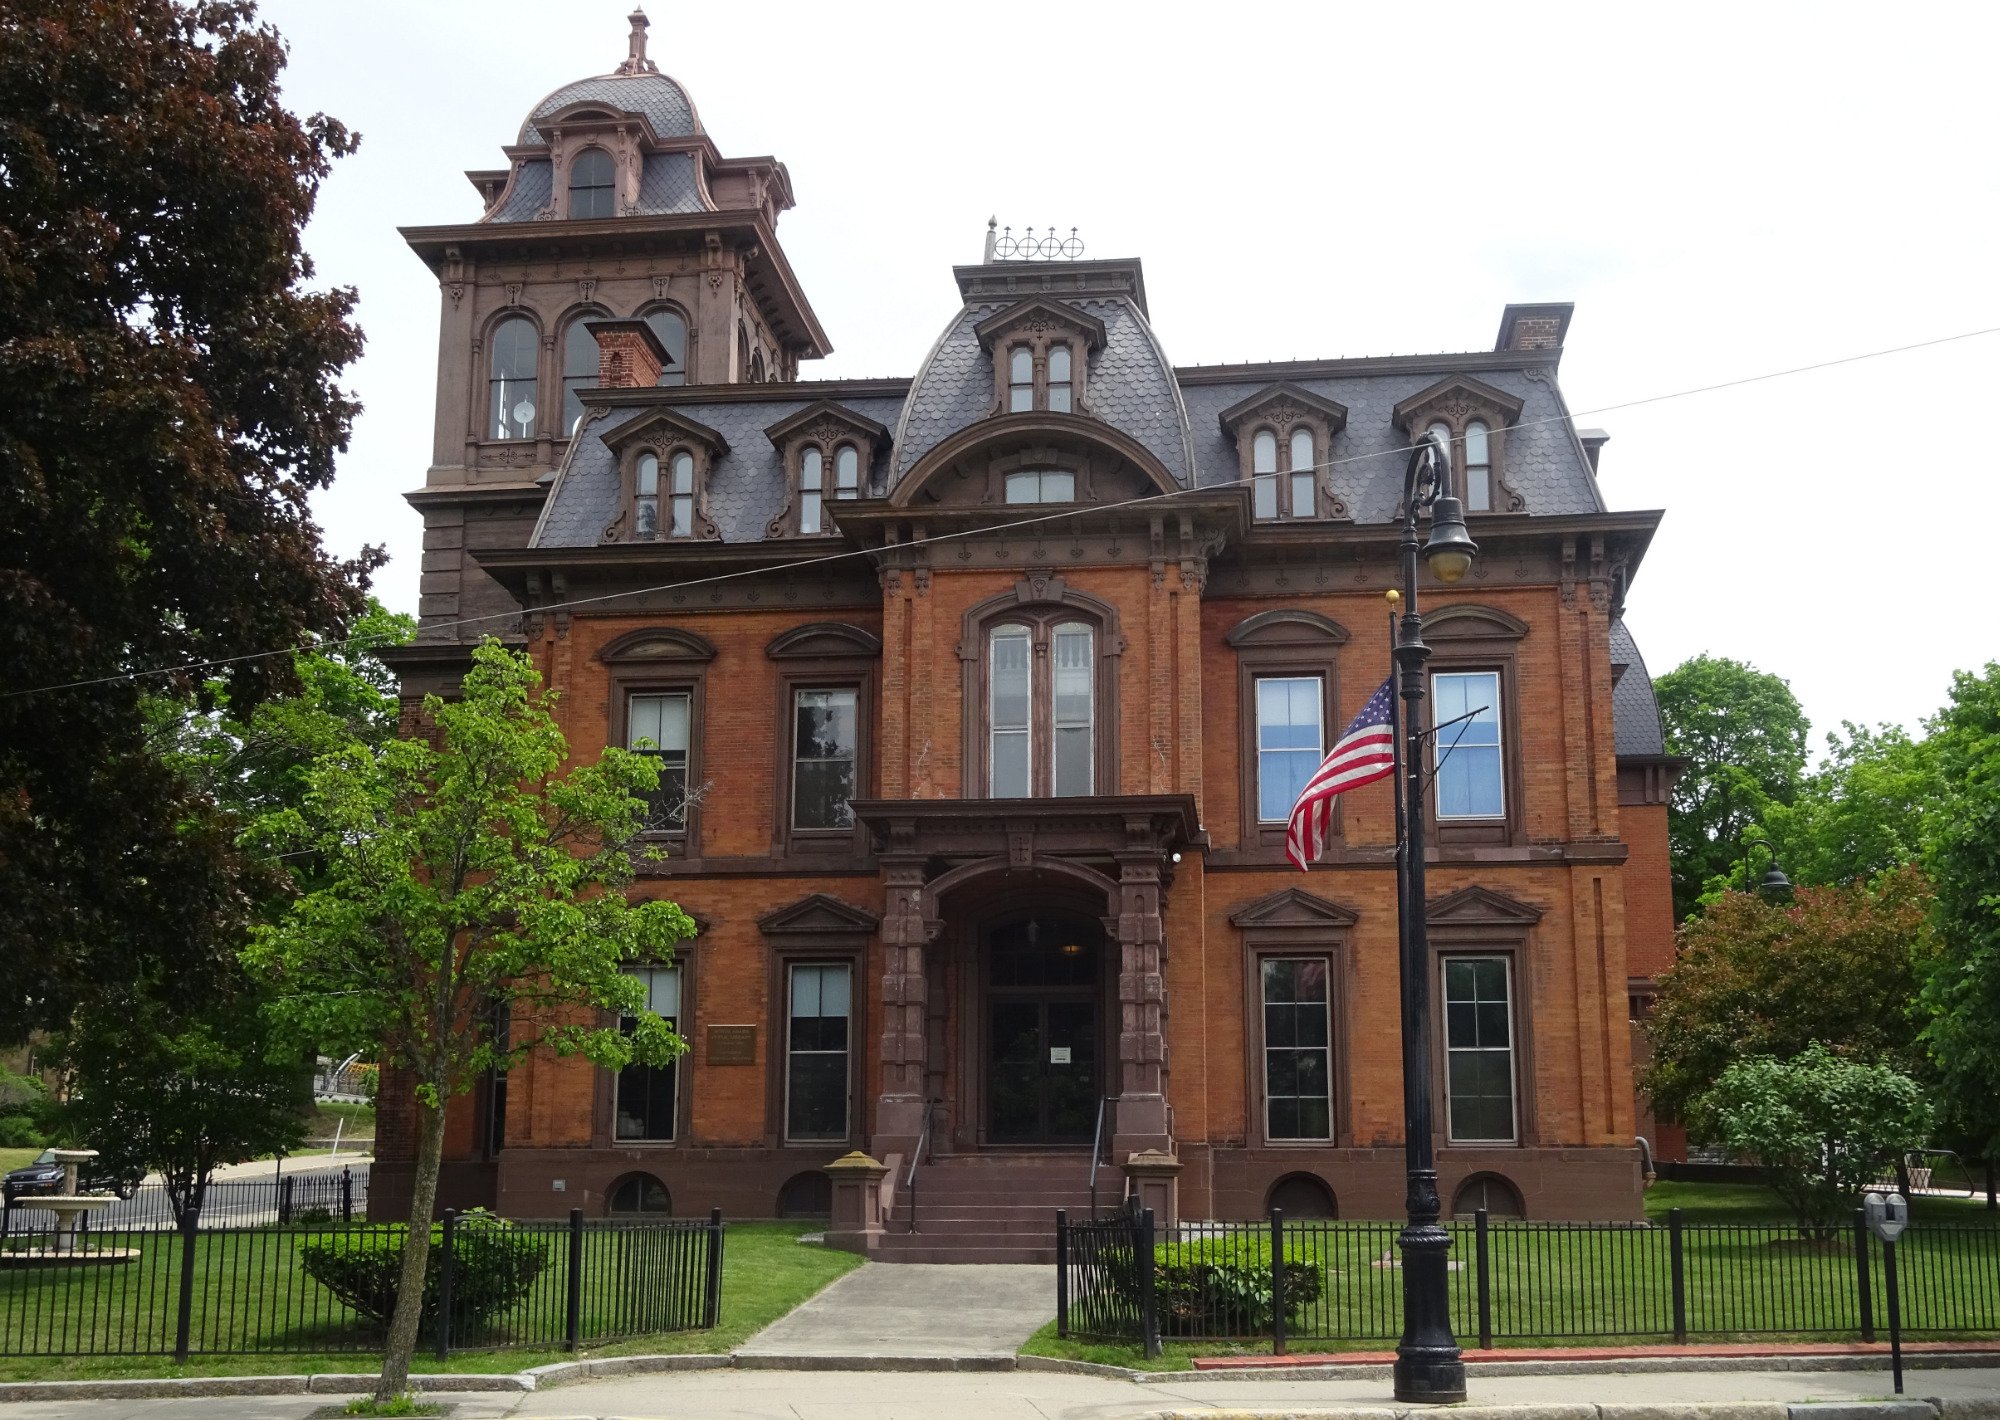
column 325, row 1196
column 1121, row 1279
column 330, row 1287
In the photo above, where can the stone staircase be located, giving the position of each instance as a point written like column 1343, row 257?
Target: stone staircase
column 993, row 1207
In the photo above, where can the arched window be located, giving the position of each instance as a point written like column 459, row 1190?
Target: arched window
column 846, row 472
column 1302, row 1195
column 756, row 367
column 812, row 488
column 590, row 184
column 681, row 494
column 1495, row 1194
column 646, row 497
column 1041, row 737
column 1264, row 471
column 1020, row 380
column 1478, row 469
column 1041, row 485
column 806, row 1195
column 1302, row 473
column 579, row 371
column 638, row 1193
column 1059, row 384
column 510, row 381
column 673, row 336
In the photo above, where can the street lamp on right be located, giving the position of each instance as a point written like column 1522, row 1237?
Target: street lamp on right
column 1430, row 1368
column 1775, row 883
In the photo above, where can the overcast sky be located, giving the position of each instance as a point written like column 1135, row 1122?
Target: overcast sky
column 1723, row 190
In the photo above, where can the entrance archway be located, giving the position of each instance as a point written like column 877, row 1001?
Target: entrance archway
column 1041, row 1057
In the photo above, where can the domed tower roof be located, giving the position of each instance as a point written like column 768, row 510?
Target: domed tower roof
column 635, row 86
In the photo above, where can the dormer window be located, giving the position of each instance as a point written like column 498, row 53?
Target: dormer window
column 664, row 461
column 1041, row 485
column 1059, row 383
column 678, row 494
column 1039, row 356
column 1283, row 435
column 510, row 382
column 1470, row 417
column 591, row 184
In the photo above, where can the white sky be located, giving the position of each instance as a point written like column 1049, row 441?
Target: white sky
column 1723, row 190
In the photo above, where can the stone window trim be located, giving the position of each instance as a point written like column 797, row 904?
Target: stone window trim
column 663, row 433
column 1294, row 923
column 1467, row 637
column 481, row 430
column 1288, row 641
column 664, row 660
column 565, row 326
column 1455, row 402
column 823, row 655
column 576, row 129
column 816, row 929
column 1076, row 462
column 1479, row 922
column 604, row 1122
column 1037, row 325
column 1278, row 410
column 1040, row 603
column 691, row 335
column 825, row 426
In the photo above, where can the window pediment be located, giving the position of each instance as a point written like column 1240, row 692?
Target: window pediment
column 1467, row 621
column 828, row 454
column 1282, row 404
column 1457, row 398
column 1472, row 417
column 823, row 419
column 818, row 915
column 823, row 640
column 1293, row 909
column 971, row 466
column 657, row 645
column 1039, row 316
column 1291, row 626
column 1284, row 441
column 662, row 426
column 1481, row 907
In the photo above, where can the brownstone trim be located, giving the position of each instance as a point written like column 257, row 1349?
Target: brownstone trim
column 1455, row 402
column 1468, row 637
column 1038, row 602
column 480, row 426
column 666, row 675
column 976, row 443
column 657, row 644
column 1293, row 923
column 824, row 640
column 1478, row 921
column 1288, row 642
column 815, row 929
column 663, row 433
column 827, row 427
column 788, row 840
column 1278, row 410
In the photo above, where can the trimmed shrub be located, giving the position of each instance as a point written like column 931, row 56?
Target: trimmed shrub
column 1199, row 1295
column 495, row 1269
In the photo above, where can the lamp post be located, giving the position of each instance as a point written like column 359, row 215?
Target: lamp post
column 1775, row 883
column 1429, row 1366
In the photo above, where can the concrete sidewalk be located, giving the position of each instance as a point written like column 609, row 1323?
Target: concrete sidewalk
column 912, row 1310
column 1941, row 1394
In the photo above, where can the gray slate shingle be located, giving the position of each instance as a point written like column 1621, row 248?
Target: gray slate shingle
column 659, row 98
column 1635, row 710
column 532, row 186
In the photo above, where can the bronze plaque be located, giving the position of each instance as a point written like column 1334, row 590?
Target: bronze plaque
column 732, row 1045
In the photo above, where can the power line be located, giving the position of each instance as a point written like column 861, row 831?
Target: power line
column 1150, row 499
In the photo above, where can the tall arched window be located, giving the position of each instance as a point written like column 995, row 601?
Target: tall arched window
column 1041, row 729
column 579, row 371
column 681, row 493
column 646, row 497
column 846, row 472
column 510, row 380
column 756, row 367
column 812, row 488
column 673, row 336
column 1478, row 469
column 1020, row 380
column 1264, row 471
column 1059, row 384
column 590, row 184
column 1302, row 473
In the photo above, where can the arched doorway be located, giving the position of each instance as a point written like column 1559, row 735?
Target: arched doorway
column 1042, row 1022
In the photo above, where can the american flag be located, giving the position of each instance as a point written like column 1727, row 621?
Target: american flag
column 1366, row 752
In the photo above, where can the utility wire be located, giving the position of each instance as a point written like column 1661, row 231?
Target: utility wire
column 1149, row 499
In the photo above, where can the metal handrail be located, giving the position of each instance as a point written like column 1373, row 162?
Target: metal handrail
column 917, row 1157
column 1096, row 1148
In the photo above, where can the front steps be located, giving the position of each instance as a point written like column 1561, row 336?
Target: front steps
column 993, row 1207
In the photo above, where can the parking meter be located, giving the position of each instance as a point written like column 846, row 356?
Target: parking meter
column 1887, row 1214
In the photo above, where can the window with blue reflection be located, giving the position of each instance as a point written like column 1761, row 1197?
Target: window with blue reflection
column 1470, row 779
column 1290, row 742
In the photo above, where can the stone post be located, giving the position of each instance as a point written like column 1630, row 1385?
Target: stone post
column 1155, row 1178
column 899, row 1108
column 857, row 1203
column 1141, row 1122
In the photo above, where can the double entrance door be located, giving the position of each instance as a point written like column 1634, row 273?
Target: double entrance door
column 1043, row 997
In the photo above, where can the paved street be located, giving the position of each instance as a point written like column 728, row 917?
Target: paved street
column 243, row 1196
column 799, row 1395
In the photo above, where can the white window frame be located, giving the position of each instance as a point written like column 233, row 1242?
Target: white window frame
column 1440, row 748
column 799, row 692
column 792, row 969
column 1318, row 682
column 1056, row 727
column 1506, row 961
column 617, row 1078
column 1263, row 960
column 660, row 752
column 993, row 730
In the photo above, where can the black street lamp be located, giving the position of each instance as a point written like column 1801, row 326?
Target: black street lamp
column 1775, row 883
column 1429, row 1365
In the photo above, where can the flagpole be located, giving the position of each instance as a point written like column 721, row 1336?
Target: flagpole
column 1396, row 749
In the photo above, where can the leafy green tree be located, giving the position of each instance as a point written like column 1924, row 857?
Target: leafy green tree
column 470, row 876
column 1744, row 738
column 1962, row 852
column 1752, row 977
column 171, row 400
column 1860, row 813
column 180, row 1092
column 1822, row 1126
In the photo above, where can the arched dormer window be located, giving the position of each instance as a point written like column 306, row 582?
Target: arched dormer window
column 824, row 449
column 592, row 180
column 579, row 370
column 1039, row 348
column 1471, row 418
column 756, row 367
column 1041, row 666
column 673, row 335
column 1284, row 485
column 663, row 506
column 1060, row 389
column 664, row 461
column 510, row 381
column 1020, row 379
column 1282, row 435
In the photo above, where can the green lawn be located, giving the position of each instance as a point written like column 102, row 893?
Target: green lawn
column 280, row 1320
column 16, row 1158
column 1746, row 1273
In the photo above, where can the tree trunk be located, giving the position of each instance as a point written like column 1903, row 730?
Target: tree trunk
column 402, row 1342
column 1992, row 1194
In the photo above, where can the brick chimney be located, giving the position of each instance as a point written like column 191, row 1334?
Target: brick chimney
column 629, row 355
column 1534, row 327
column 1593, row 441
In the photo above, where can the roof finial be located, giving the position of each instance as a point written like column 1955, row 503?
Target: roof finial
column 992, row 237
column 636, row 61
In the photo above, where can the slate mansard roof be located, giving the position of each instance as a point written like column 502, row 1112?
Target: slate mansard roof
column 1635, row 710
column 667, row 184
column 662, row 102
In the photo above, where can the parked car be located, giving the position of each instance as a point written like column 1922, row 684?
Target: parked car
column 44, row 1176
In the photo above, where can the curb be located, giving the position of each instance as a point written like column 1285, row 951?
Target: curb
column 1983, row 1409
